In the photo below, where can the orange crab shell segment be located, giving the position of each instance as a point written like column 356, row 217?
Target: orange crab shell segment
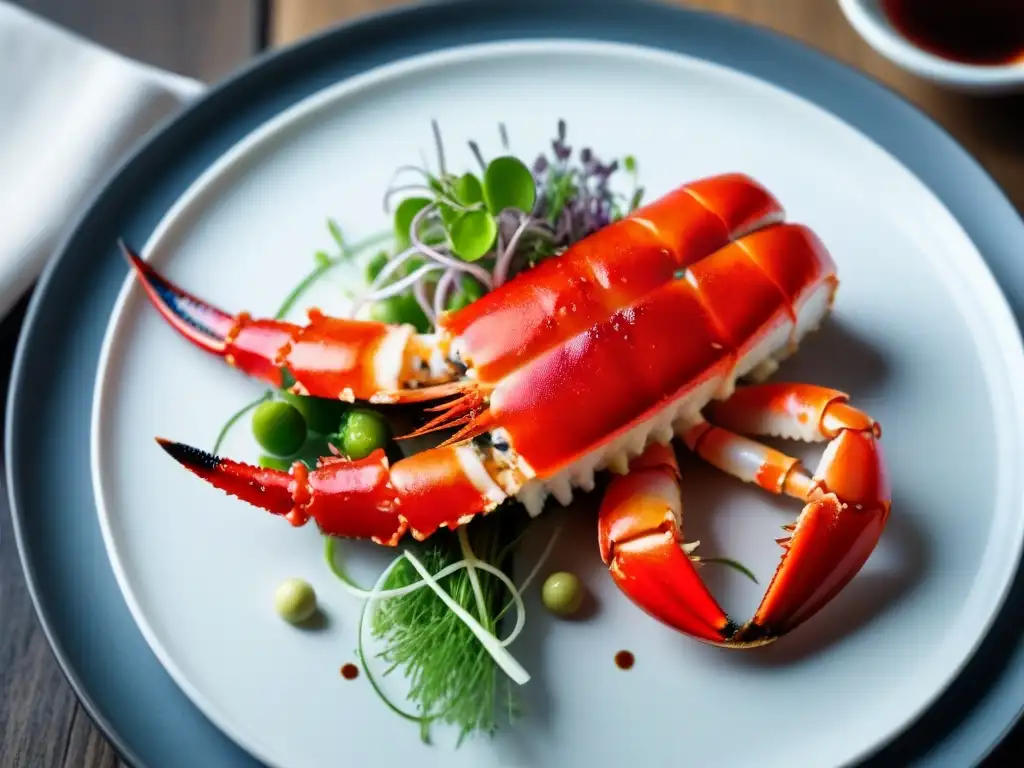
column 836, row 535
column 563, row 296
column 793, row 257
column 625, row 261
column 638, row 534
column 350, row 498
column 443, row 489
column 736, row 203
column 744, row 301
column 598, row 384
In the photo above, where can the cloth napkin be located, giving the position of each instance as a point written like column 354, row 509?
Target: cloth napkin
column 70, row 111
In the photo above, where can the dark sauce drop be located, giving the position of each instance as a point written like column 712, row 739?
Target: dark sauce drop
column 350, row 671
column 986, row 32
column 624, row 660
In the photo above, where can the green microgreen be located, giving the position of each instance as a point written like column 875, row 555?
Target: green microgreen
column 404, row 215
column 508, row 183
column 472, row 234
column 732, row 564
column 468, row 190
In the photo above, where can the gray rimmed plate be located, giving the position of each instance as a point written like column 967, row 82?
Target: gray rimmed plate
column 917, row 295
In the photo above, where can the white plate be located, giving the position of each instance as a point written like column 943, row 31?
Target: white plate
column 920, row 336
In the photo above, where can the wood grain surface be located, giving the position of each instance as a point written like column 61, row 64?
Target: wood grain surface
column 41, row 724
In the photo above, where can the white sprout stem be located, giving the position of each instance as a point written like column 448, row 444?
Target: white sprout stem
column 504, row 262
column 419, row 291
column 400, row 285
column 398, row 172
column 491, row 644
column 389, row 269
column 471, row 560
column 463, row 266
column 393, row 264
column 391, row 191
column 441, row 291
column 541, row 560
column 376, row 594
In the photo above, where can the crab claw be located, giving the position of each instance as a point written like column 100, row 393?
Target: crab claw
column 327, row 357
column 640, row 536
column 847, row 503
column 366, row 498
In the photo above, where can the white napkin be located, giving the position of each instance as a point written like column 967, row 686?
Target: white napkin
column 70, row 110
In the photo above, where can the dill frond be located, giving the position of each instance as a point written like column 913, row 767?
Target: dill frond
column 453, row 679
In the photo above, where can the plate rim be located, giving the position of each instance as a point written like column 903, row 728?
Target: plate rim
column 260, row 64
column 223, row 172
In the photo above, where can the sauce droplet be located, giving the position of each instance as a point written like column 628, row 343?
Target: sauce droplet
column 349, row 671
column 624, row 660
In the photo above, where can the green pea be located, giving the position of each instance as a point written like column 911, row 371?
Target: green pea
column 321, row 415
column 279, row 427
column 275, row 462
column 365, row 431
column 562, row 593
column 295, row 600
column 400, row 309
column 375, row 265
column 469, row 291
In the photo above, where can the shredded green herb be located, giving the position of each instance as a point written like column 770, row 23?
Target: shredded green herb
column 325, row 263
column 452, row 677
column 732, row 564
column 233, row 419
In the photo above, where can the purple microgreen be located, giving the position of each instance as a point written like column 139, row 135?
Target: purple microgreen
column 405, row 188
column 501, row 266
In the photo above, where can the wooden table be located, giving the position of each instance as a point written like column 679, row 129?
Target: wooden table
column 41, row 724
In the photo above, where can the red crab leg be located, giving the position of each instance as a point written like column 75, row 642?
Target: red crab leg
column 610, row 269
column 640, row 535
column 364, row 499
column 847, row 506
column 329, row 357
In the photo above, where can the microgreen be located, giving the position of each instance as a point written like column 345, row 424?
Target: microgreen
column 473, row 234
column 468, row 190
column 452, row 677
column 335, row 230
column 732, row 564
column 509, row 184
column 404, row 214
